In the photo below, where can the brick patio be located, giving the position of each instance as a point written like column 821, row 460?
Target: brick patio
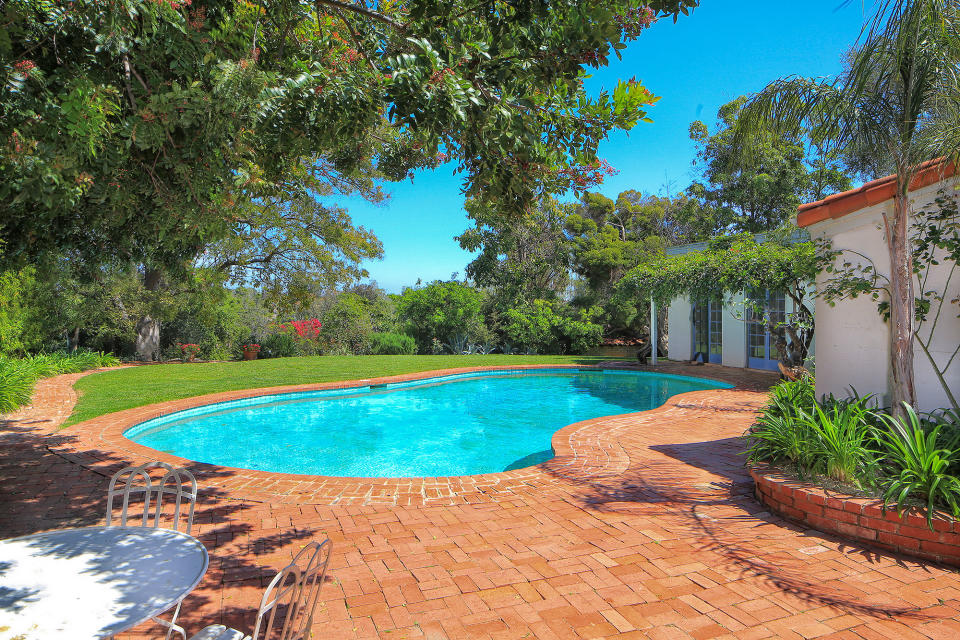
column 644, row 526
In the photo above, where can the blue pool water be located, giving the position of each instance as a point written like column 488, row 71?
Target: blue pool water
column 457, row 425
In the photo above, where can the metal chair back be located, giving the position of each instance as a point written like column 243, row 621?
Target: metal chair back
column 286, row 610
column 175, row 491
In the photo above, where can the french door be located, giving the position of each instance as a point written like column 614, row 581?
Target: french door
column 708, row 331
column 762, row 352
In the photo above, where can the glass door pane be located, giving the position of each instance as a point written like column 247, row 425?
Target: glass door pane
column 716, row 331
column 762, row 353
column 776, row 304
column 701, row 336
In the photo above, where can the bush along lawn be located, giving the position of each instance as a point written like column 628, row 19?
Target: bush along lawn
column 846, row 444
column 18, row 375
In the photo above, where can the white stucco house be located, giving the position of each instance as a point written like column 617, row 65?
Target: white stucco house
column 718, row 331
column 853, row 339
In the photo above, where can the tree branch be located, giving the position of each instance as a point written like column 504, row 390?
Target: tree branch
column 126, row 82
column 356, row 40
column 361, row 11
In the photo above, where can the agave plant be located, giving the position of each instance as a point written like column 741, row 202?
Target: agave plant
column 459, row 344
column 921, row 469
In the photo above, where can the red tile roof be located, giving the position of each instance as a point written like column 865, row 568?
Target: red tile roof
column 874, row 192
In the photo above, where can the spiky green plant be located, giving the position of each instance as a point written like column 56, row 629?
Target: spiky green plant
column 920, row 469
column 842, row 436
column 16, row 383
column 778, row 436
column 17, row 376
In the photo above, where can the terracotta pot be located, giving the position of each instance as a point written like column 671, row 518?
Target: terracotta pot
column 250, row 355
column 190, row 358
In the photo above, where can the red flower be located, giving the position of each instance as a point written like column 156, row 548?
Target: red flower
column 24, row 66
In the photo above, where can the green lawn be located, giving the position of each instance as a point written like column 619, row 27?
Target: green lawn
column 110, row 391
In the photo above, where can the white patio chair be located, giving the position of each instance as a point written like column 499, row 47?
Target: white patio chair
column 292, row 596
column 173, row 497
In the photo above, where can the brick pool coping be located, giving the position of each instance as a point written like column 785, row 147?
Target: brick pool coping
column 859, row 519
column 585, row 448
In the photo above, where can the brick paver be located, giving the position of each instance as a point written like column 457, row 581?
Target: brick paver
column 644, row 527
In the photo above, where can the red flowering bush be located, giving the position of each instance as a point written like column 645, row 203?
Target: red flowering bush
column 250, row 347
column 188, row 350
column 305, row 329
column 294, row 338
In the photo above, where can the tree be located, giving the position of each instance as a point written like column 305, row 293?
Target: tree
column 549, row 326
column 290, row 245
column 441, row 311
column 522, row 260
column 131, row 129
column 609, row 237
column 892, row 108
column 761, row 190
column 135, row 132
column 735, row 265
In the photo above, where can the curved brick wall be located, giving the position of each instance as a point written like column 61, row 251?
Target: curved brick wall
column 858, row 518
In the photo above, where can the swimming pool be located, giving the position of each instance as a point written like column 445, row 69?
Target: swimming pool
column 479, row 422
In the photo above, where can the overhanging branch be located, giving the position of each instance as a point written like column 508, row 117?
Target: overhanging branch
column 360, row 11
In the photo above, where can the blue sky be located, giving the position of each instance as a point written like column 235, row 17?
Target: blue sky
column 724, row 49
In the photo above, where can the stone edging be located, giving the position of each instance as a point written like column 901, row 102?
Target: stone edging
column 861, row 519
column 583, row 450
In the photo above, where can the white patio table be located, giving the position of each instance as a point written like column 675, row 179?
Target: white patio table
column 93, row 582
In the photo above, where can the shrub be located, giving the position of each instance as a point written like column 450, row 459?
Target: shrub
column 347, row 325
column 392, row 344
column 440, row 311
column 842, row 434
column 545, row 327
column 294, row 338
column 911, row 463
column 17, row 376
column 278, row 345
column 210, row 319
column 918, row 467
column 16, row 383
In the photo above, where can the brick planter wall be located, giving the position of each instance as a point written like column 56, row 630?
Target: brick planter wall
column 860, row 519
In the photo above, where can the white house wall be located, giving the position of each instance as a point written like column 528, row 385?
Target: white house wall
column 853, row 340
column 734, row 332
column 680, row 329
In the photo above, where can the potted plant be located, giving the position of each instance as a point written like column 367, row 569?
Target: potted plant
column 250, row 351
column 189, row 351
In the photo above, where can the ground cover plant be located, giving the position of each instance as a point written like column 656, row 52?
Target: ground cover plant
column 907, row 462
column 136, row 386
column 18, row 375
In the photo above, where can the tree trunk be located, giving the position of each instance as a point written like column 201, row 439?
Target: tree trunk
column 74, row 342
column 147, row 342
column 902, row 312
column 663, row 338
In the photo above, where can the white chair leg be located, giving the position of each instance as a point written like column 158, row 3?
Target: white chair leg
column 171, row 625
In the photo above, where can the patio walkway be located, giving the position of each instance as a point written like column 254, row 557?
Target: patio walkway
column 658, row 537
